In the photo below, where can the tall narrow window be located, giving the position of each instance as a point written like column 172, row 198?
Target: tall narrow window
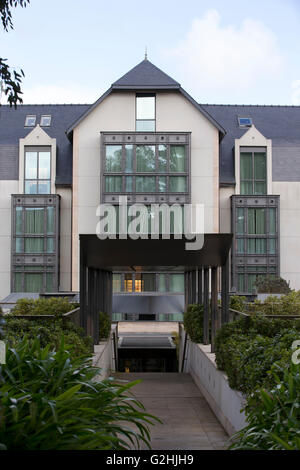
column 37, row 171
column 145, row 112
column 253, row 173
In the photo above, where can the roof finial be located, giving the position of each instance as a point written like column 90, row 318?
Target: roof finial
column 146, row 53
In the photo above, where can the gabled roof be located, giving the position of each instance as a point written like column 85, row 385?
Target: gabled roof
column 279, row 123
column 12, row 128
column 145, row 75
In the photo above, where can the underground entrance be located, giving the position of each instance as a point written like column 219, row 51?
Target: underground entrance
column 147, row 353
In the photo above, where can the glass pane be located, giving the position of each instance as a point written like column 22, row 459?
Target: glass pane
column 145, row 107
column 162, row 283
column 240, row 246
column 113, row 158
column 272, row 214
column 177, row 158
column 256, row 221
column 256, row 246
column 34, row 268
column 50, row 245
column 240, row 221
column 145, row 184
column 33, row 282
column 113, row 184
column 246, row 166
column 246, row 187
column 128, row 158
column 162, row 158
column 260, row 167
column 241, row 287
column 116, row 282
column 145, row 126
column 128, row 283
column 30, row 165
column 128, row 184
column 19, row 245
column 49, row 282
column 251, row 282
column 19, row 224
column 148, row 282
column 44, row 187
column 272, row 269
column 30, row 187
column 145, row 158
column 18, row 282
column 138, row 282
column 177, row 184
column 34, row 220
column 34, row 245
column 260, row 188
column 162, row 184
column 272, row 246
column 176, row 282
column 44, row 165
column 50, row 220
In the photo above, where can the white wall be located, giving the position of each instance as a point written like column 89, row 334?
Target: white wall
column 117, row 113
column 6, row 189
column 65, row 258
column 289, row 230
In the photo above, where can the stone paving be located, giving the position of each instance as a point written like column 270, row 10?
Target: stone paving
column 188, row 422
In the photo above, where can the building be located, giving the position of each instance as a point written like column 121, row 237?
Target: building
column 147, row 139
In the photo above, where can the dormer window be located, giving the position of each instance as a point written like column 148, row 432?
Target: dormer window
column 245, row 121
column 30, row 121
column 45, row 121
column 37, row 170
column 145, row 112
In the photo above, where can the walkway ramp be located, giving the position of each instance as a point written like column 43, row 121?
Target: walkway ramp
column 188, row 422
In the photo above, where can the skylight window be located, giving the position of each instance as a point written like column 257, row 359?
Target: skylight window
column 245, row 121
column 30, row 121
column 45, row 120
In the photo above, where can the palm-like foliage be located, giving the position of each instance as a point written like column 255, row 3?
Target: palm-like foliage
column 50, row 402
column 273, row 417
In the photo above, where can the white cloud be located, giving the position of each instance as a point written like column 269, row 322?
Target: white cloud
column 227, row 57
column 45, row 94
column 296, row 92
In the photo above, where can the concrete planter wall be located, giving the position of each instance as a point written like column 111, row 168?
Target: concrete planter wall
column 225, row 402
column 104, row 356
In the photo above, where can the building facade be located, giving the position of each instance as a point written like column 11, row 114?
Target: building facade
column 146, row 139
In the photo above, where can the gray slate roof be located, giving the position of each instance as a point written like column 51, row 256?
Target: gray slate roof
column 12, row 129
column 279, row 123
column 145, row 75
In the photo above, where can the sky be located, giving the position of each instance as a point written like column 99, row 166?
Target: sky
column 222, row 52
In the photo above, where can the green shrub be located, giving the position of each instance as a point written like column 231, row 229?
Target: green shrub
column 193, row 322
column 237, row 302
column 75, row 340
column 288, row 304
column 269, row 284
column 50, row 402
column 43, row 306
column 248, row 348
column 104, row 325
column 273, row 416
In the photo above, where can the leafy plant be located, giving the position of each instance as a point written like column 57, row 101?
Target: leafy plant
column 49, row 334
column 248, row 348
column 104, row 325
column 273, row 416
column 237, row 302
column 269, row 284
column 43, row 306
column 50, row 402
column 193, row 322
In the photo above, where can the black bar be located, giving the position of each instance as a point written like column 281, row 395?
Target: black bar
column 206, row 307
column 214, row 306
column 200, row 286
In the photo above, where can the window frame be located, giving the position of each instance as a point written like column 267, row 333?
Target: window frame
column 30, row 116
column 253, row 180
column 45, row 116
column 145, row 95
column 38, row 150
